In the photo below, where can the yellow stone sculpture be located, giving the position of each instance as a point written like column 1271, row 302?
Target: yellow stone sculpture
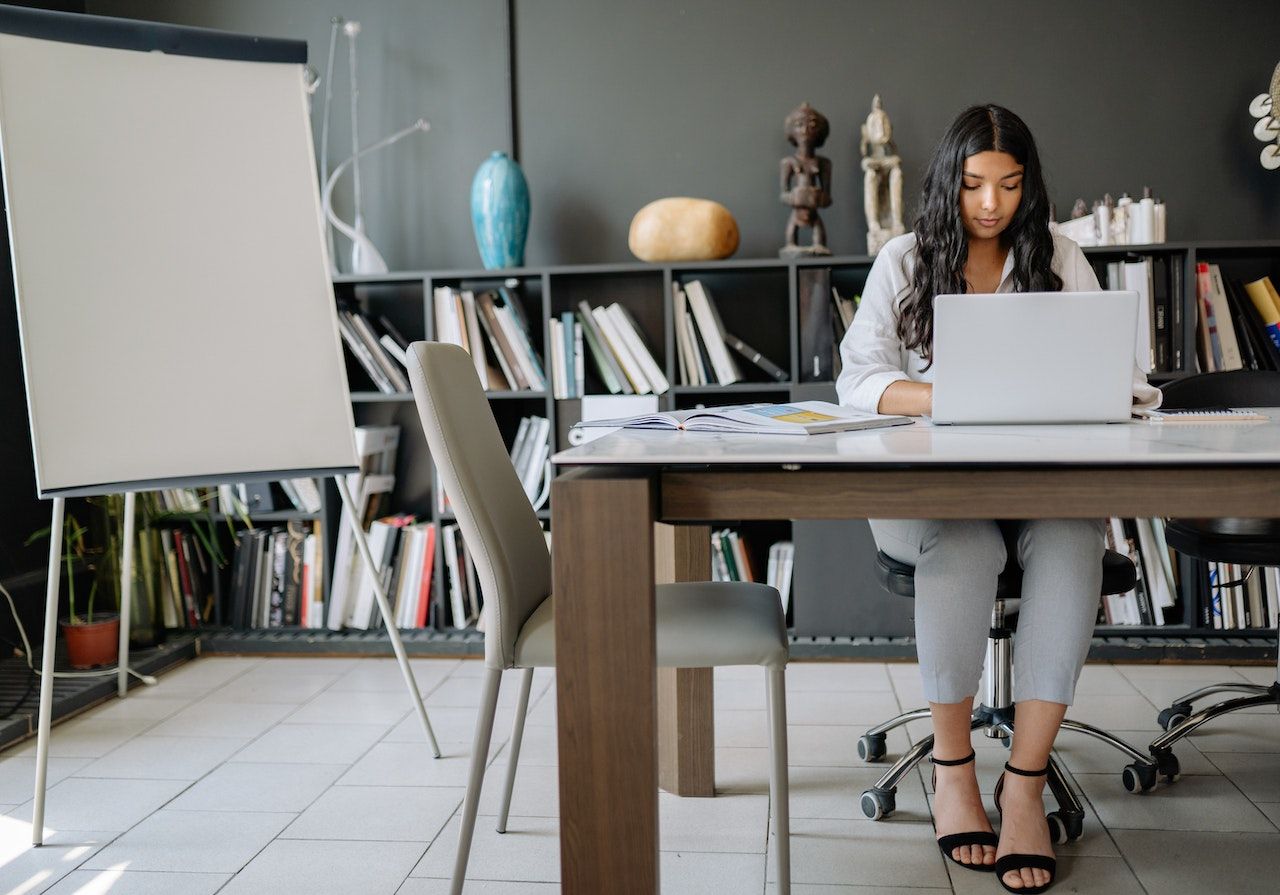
column 683, row 229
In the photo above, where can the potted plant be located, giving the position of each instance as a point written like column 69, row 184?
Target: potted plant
column 92, row 637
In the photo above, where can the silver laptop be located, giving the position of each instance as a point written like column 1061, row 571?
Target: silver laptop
column 1034, row 357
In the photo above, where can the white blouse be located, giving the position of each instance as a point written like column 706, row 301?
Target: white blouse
column 871, row 354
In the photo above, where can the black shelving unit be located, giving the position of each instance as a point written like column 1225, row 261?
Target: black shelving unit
column 759, row 301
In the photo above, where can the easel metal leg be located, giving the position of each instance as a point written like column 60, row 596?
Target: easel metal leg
column 393, row 633
column 126, row 593
column 46, row 668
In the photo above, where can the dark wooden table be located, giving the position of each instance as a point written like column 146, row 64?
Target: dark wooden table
column 635, row 511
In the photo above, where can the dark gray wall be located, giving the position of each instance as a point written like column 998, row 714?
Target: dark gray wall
column 622, row 103
column 435, row 59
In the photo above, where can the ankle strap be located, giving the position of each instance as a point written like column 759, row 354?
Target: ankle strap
column 954, row 762
column 1021, row 773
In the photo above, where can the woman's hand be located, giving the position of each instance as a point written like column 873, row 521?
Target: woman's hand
column 906, row 398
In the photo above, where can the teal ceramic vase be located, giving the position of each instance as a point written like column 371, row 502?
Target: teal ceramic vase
column 500, row 212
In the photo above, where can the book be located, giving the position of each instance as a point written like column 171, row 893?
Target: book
column 817, row 346
column 631, row 333
column 711, row 332
column 1231, row 359
column 1267, row 303
column 798, row 418
column 1201, row 415
column 615, row 381
column 768, row 366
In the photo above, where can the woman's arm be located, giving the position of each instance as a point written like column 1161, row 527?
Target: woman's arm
column 871, row 354
column 907, row 399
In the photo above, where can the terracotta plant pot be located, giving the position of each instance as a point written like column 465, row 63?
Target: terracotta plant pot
column 92, row 643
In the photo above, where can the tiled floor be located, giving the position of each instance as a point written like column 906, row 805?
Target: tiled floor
column 311, row 776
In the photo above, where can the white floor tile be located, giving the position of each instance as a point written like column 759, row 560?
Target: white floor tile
column 26, row 870
column 312, row 743
column 1190, row 863
column 191, row 841
column 244, row 786
column 411, row 814
column 1193, row 803
column 313, row 867
column 698, row 873
column 82, row 803
column 272, row 687
column 208, row 718
column 18, row 775
column 728, row 823
column 1239, row 732
column 1256, row 774
column 356, row 708
column 528, row 852
column 408, row 764
column 89, row 737
column 853, row 676
column 164, row 758
column 864, row 853
column 425, row 886
column 452, row 724
column 119, row 881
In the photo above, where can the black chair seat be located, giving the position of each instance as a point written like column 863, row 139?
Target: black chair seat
column 1118, row 576
column 1249, row 542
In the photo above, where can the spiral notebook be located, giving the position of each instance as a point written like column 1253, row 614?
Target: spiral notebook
column 1201, row 415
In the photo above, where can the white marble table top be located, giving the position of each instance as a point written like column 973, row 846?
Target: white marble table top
column 1136, row 444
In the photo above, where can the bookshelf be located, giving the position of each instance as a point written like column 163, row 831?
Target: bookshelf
column 762, row 302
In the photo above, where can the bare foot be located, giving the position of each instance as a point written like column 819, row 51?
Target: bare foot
column 1023, row 829
column 957, row 808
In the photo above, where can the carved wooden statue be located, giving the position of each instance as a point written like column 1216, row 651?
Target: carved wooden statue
column 881, row 179
column 806, row 180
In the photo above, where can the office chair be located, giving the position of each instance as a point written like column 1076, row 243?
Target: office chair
column 1248, row 542
column 995, row 714
column 699, row 624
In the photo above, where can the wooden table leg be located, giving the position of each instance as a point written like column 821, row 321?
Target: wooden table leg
column 686, row 723
column 606, row 698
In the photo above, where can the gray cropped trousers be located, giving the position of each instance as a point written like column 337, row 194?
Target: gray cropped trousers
column 957, row 562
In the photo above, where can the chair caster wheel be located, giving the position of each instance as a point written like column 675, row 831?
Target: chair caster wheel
column 1167, row 765
column 1063, row 829
column 1174, row 715
column 871, row 747
column 878, row 803
column 1138, row 778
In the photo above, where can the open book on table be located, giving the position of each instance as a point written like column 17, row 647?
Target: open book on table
column 797, row 418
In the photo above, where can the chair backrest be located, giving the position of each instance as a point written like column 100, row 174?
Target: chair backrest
column 1242, row 388
column 497, row 521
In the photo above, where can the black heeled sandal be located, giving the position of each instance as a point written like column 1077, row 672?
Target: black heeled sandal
column 955, row 840
column 1015, row 861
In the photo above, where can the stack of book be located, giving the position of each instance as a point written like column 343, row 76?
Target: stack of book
column 729, row 558
column 731, row 561
column 1241, row 596
column 178, row 576
column 1143, row 541
column 277, row 577
column 1158, row 282
column 403, row 553
column 493, row 328
column 369, row 487
column 529, row 455
column 1239, row 322
column 703, row 344
column 379, row 349
column 782, row 559
column 617, row 346
column 462, row 609
column 842, row 310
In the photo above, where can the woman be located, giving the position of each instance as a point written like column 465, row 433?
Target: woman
column 983, row 228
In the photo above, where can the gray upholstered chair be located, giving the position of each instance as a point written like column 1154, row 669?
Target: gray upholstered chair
column 699, row 625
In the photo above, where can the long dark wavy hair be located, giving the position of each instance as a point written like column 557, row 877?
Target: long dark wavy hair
column 942, row 244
